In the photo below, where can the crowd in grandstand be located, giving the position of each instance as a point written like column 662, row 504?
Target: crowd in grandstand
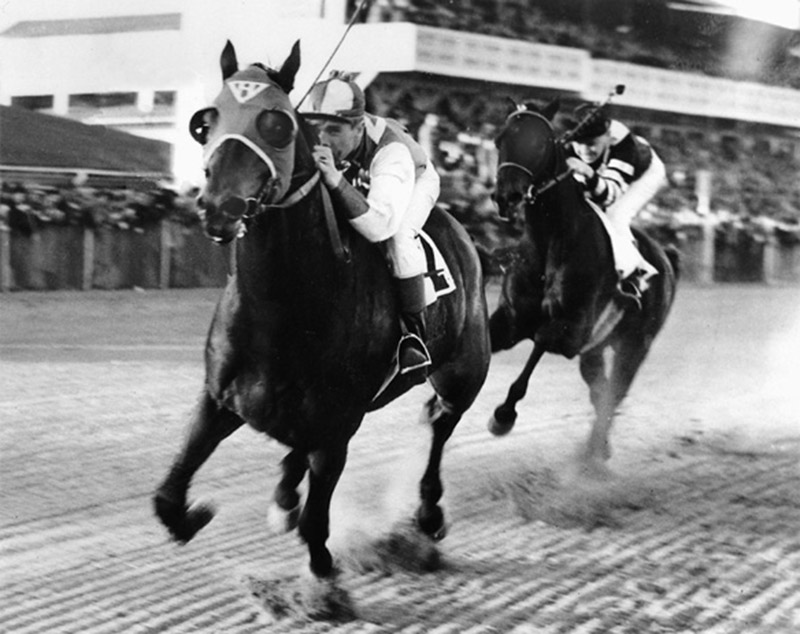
column 754, row 191
column 646, row 32
column 25, row 208
column 754, row 185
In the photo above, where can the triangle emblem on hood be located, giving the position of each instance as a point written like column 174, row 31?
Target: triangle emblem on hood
column 245, row 90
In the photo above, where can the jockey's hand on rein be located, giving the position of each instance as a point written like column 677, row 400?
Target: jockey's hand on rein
column 326, row 164
column 579, row 167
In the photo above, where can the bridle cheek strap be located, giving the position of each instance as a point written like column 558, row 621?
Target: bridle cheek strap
column 295, row 197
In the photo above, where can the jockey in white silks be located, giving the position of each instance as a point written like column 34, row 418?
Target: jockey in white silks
column 620, row 172
column 386, row 184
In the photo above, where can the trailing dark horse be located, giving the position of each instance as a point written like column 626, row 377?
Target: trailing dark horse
column 305, row 331
column 560, row 289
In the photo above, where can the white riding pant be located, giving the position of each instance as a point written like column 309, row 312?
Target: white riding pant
column 403, row 249
column 619, row 216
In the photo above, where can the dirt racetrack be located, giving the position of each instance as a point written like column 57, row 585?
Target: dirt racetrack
column 697, row 531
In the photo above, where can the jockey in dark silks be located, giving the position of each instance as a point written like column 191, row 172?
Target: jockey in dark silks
column 620, row 172
column 387, row 186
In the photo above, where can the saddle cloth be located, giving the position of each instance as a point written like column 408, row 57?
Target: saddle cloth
column 438, row 279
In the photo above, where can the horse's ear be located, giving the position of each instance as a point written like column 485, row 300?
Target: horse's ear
column 511, row 105
column 285, row 77
column 551, row 108
column 228, row 61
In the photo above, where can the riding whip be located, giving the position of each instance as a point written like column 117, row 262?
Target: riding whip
column 335, row 50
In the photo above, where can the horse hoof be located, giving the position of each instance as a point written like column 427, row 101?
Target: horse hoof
column 325, row 600
column 182, row 523
column 282, row 521
column 502, row 421
column 433, row 525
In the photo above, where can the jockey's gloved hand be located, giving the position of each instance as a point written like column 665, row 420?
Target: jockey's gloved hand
column 326, row 164
column 579, row 167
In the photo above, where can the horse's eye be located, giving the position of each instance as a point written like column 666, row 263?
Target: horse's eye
column 200, row 124
column 276, row 128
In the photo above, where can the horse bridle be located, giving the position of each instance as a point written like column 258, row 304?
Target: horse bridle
column 534, row 190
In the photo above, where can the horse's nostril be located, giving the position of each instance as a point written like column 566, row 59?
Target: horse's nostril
column 234, row 207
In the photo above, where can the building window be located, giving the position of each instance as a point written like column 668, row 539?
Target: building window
column 33, row 102
column 102, row 101
column 164, row 99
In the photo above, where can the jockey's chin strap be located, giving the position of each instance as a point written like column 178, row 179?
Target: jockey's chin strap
column 259, row 204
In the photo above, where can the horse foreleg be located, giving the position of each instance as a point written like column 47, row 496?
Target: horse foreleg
column 210, row 425
column 325, row 468
column 443, row 419
column 505, row 415
column 284, row 513
column 322, row 597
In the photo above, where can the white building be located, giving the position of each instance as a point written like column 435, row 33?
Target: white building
column 144, row 66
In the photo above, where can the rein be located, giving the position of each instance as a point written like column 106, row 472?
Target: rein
column 258, row 205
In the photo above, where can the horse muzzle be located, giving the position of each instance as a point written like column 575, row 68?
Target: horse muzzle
column 225, row 222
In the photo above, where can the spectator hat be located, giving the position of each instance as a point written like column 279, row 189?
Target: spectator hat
column 337, row 98
column 597, row 122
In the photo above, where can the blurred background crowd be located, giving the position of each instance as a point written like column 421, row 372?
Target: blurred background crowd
column 754, row 183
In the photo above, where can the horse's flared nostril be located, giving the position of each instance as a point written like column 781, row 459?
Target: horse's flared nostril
column 234, row 207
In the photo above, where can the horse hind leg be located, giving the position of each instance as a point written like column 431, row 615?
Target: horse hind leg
column 210, row 425
column 607, row 392
column 593, row 371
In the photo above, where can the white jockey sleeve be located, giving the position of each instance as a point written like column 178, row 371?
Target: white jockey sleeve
column 390, row 190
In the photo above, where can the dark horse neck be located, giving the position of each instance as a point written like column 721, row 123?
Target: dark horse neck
column 287, row 254
column 564, row 224
column 574, row 252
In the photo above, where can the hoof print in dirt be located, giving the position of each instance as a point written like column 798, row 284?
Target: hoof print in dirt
column 301, row 598
column 406, row 548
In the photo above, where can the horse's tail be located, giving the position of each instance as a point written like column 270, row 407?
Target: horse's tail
column 674, row 257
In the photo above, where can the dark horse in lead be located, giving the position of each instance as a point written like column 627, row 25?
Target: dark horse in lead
column 560, row 289
column 306, row 329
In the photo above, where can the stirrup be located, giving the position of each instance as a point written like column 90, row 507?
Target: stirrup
column 629, row 293
column 411, row 344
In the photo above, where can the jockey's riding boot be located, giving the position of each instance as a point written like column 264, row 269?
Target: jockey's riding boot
column 413, row 357
column 630, row 289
